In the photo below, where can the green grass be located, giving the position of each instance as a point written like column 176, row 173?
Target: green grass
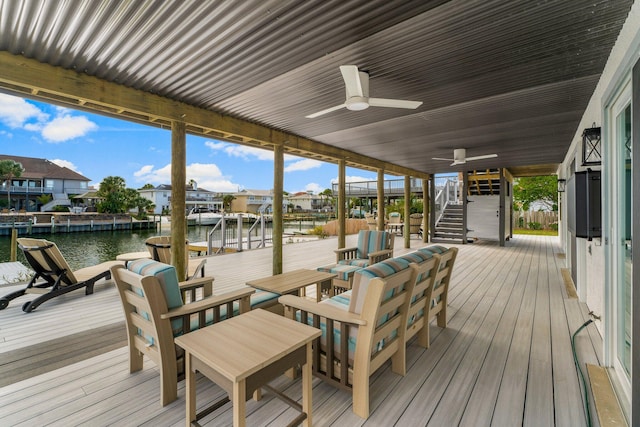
column 535, row 232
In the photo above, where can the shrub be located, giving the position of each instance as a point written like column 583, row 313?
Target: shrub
column 318, row 230
column 554, row 226
column 535, row 226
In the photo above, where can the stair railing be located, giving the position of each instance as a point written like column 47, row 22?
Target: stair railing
column 448, row 194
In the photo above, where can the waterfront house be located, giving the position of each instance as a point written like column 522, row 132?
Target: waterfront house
column 307, row 201
column 252, row 201
column 42, row 177
column 195, row 197
column 550, row 87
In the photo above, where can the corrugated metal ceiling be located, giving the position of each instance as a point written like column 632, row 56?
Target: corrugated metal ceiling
column 511, row 77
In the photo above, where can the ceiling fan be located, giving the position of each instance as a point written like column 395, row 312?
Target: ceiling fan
column 459, row 157
column 357, row 87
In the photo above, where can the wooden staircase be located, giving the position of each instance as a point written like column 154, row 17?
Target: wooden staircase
column 449, row 228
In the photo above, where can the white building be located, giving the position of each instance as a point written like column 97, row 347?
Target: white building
column 196, row 197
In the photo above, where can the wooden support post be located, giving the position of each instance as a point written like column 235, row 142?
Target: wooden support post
column 432, row 208
column 278, row 188
column 502, row 210
column 426, row 210
column 381, row 213
column 465, row 184
column 342, row 176
column 406, row 229
column 14, row 245
column 178, row 197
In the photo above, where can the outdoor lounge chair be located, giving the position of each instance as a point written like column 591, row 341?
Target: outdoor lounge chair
column 155, row 314
column 160, row 249
column 49, row 265
column 372, row 247
column 418, row 315
column 368, row 325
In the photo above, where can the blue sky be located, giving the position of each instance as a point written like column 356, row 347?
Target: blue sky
column 98, row 146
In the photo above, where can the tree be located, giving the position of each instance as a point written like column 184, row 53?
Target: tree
column 113, row 194
column 542, row 189
column 226, row 201
column 148, row 187
column 10, row 169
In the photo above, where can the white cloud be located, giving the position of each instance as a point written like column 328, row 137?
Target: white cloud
column 208, row 176
column 246, row 152
column 6, row 134
column 312, row 186
column 66, row 127
column 66, row 164
column 303, row 165
column 15, row 112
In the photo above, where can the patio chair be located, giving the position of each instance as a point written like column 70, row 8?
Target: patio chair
column 368, row 325
column 53, row 276
column 372, row 247
column 160, row 249
column 439, row 297
column 418, row 315
column 155, row 314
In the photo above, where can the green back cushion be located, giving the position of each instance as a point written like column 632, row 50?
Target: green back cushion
column 168, row 280
column 362, row 278
column 370, row 241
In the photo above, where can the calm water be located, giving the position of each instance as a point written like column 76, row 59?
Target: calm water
column 86, row 249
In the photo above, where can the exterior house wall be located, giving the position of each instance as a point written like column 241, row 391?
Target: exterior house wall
column 595, row 280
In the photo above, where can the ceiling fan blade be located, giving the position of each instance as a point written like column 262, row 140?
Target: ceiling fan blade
column 441, row 158
column 352, row 82
column 486, row 156
column 323, row 112
column 394, row 103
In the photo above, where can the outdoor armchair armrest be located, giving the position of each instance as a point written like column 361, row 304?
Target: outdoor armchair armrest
column 322, row 310
column 380, row 255
column 344, row 250
column 206, row 283
column 210, row 302
column 198, row 271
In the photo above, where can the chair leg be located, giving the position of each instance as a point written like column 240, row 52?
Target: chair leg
column 423, row 335
column 442, row 315
column 361, row 394
column 168, row 381
column 135, row 360
column 399, row 360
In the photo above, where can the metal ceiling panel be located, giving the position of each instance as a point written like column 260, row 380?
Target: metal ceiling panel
column 511, row 77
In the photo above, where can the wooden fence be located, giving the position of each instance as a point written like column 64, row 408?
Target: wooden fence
column 535, row 220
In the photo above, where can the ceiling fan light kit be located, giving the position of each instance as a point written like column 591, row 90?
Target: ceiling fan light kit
column 460, row 157
column 356, row 84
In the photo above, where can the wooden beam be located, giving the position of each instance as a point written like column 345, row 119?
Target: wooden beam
column 178, row 198
column 380, row 195
column 32, row 79
column 407, row 211
column 278, row 189
column 342, row 196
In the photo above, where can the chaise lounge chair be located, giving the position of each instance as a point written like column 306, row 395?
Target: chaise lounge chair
column 49, row 265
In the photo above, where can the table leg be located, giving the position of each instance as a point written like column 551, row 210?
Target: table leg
column 307, row 402
column 190, row 388
column 239, row 403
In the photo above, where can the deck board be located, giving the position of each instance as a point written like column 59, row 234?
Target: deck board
column 504, row 359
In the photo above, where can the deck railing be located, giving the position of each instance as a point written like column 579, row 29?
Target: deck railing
column 230, row 233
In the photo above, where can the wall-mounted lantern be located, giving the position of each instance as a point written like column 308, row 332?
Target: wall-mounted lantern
column 562, row 185
column 591, row 146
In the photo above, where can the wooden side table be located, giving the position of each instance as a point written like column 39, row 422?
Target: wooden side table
column 294, row 282
column 244, row 353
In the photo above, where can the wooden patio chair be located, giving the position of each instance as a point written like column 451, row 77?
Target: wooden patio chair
column 155, row 314
column 368, row 325
column 160, row 249
column 373, row 246
column 418, row 315
column 440, row 295
column 53, row 276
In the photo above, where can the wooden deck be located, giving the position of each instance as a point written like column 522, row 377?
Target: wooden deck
column 504, row 360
